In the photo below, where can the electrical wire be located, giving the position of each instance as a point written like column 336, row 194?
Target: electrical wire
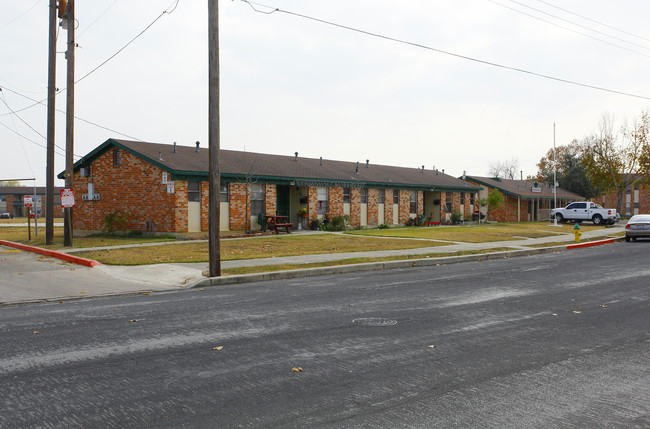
column 594, row 21
column 175, row 3
column 429, row 48
column 20, row 16
column 76, row 117
column 572, row 30
column 77, row 36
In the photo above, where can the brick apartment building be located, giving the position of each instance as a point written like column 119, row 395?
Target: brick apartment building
column 524, row 200
column 164, row 188
column 12, row 200
column 637, row 200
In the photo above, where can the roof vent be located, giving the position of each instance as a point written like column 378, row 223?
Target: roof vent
column 296, row 158
column 174, row 151
column 197, row 147
column 367, row 163
column 160, row 156
column 423, row 169
column 356, row 170
column 321, row 160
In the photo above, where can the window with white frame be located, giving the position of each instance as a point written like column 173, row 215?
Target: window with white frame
column 364, row 196
column 396, row 196
column 346, row 195
column 257, row 199
column 449, row 197
column 382, row 196
column 413, row 206
column 194, row 192
column 323, row 204
column 224, row 192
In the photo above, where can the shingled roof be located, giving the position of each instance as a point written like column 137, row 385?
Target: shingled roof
column 524, row 188
column 185, row 163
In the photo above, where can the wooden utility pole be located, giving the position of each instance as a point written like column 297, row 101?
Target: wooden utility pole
column 69, row 122
column 214, row 139
column 51, row 98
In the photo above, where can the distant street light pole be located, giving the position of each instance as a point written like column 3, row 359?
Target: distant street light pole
column 554, row 177
column 213, row 139
column 69, row 121
column 51, row 97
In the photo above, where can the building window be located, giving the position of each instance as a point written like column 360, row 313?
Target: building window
column 636, row 205
column 194, row 192
column 364, row 196
column 258, row 197
column 116, row 157
column 396, row 196
column 628, row 190
column 224, row 193
column 472, row 199
column 413, row 206
column 323, row 205
column 462, row 198
column 382, row 196
column 448, row 200
column 346, row 195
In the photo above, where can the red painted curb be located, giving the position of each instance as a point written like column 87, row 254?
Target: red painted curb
column 52, row 253
column 591, row 243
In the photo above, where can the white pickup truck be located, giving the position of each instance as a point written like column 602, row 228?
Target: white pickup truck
column 579, row 211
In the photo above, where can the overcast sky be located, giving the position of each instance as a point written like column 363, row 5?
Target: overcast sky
column 292, row 84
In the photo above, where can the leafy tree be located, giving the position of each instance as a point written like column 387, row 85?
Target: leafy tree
column 493, row 201
column 10, row 183
column 571, row 173
column 614, row 162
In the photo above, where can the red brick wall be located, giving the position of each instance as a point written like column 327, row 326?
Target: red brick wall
column 388, row 207
column 336, row 201
column 238, row 197
column 373, row 207
column 135, row 187
column 312, row 204
column 271, row 202
column 205, row 206
column 508, row 210
column 420, row 197
column 404, row 206
column 355, row 206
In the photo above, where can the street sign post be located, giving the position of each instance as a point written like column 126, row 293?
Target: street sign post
column 27, row 200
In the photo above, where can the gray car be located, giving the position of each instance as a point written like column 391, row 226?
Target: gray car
column 637, row 226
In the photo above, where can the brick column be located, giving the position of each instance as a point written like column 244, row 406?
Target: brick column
column 388, row 207
column 404, row 206
column 355, row 206
column 271, row 202
column 335, row 201
column 373, row 206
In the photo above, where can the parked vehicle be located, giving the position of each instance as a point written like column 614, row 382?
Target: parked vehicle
column 637, row 226
column 581, row 211
column 6, row 216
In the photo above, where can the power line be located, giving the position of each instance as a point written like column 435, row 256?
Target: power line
column 63, row 111
column 572, row 30
column 594, row 21
column 21, row 15
column 175, row 5
column 418, row 45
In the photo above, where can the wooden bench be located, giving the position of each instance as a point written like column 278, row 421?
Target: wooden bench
column 275, row 223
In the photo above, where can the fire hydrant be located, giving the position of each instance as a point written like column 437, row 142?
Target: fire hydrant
column 576, row 231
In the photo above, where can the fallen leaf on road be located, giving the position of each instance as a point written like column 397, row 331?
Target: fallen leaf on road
column 60, row 302
column 134, row 320
column 296, row 369
column 201, row 289
column 72, row 269
column 217, row 348
column 432, row 346
column 603, row 306
column 554, row 314
column 83, row 291
column 20, row 274
column 577, row 312
column 35, row 332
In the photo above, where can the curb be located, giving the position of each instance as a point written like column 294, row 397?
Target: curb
column 53, row 253
column 371, row 266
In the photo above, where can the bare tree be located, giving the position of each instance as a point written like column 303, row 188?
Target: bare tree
column 504, row 169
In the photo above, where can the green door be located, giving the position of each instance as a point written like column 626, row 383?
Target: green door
column 283, row 200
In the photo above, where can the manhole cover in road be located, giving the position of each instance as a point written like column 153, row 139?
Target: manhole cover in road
column 375, row 321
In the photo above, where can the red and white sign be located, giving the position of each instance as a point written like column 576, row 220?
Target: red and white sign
column 27, row 199
column 67, row 198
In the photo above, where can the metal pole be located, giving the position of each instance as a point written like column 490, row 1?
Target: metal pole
column 554, row 176
column 214, row 139
column 69, row 122
column 51, row 94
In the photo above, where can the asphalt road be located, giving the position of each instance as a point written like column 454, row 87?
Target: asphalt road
column 550, row 341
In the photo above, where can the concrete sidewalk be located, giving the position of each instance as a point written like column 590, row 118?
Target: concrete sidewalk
column 106, row 279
